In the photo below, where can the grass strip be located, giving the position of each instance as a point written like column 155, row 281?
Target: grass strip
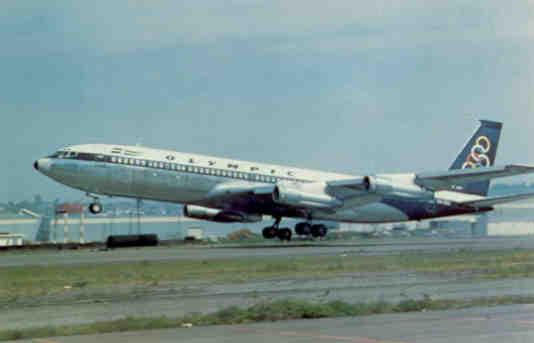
column 262, row 312
column 22, row 281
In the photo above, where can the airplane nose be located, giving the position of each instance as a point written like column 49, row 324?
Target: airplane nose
column 43, row 165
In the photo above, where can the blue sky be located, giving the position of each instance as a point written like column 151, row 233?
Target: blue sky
column 347, row 86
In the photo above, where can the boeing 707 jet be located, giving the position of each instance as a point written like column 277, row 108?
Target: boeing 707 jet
column 226, row 190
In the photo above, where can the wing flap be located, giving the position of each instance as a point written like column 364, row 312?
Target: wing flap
column 454, row 179
column 491, row 201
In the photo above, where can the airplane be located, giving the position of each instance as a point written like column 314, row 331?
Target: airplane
column 226, row 190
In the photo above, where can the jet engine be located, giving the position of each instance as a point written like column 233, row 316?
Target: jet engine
column 221, row 216
column 402, row 187
column 312, row 195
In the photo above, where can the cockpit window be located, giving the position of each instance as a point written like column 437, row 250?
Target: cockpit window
column 64, row 154
column 59, row 154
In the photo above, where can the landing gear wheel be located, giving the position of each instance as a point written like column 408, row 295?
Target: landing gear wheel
column 303, row 229
column 284, row 234
column 95, row 208
column 269, row 232
column 319, row 230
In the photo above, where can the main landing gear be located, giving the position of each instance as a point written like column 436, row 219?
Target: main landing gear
column 306, row 229
column 270, row 232
column 301, row 229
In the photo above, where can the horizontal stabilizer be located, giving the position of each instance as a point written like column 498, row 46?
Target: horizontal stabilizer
column 455, row 179
column 491, row 201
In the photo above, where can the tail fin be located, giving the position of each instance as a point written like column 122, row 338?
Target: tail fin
column 480, row 151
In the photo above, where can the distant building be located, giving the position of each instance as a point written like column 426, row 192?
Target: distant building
column 474, row 226
column 10, row 240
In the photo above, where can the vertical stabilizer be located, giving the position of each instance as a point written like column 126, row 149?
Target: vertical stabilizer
column 479, row 151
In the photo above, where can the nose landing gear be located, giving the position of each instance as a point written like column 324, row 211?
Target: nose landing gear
column 95, row 208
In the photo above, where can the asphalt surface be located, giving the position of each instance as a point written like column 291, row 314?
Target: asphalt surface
column 390, row 246
column 510, row 324
column 178, row 300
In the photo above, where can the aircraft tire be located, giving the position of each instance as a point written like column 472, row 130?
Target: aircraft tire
column 319, row 230
column 303, row 229
column 95, row 208
column 284, row 234
column 269, row 232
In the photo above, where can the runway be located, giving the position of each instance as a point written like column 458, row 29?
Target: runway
column 180, row 252
column 511, row 324
column 175, row 300
column 178, row 299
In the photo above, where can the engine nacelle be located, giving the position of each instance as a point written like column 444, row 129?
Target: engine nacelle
column 308, row 195
column 221, row 216
column 404, row 187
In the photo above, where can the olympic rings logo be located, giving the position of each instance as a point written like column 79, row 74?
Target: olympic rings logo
column 478, row 156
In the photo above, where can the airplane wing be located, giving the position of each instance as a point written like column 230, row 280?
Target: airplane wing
column 353, row 192
column 491, row 201
column 454, row 179
column 337, row 194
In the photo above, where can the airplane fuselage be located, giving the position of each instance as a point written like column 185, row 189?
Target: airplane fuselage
column 162, row 175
